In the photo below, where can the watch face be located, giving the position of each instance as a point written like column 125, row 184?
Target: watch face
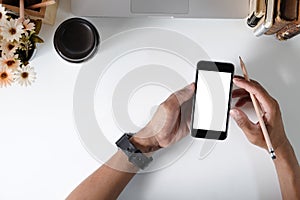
column 125, row 145
column 135, row 156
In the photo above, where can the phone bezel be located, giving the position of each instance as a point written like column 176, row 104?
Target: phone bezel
column 217, row 67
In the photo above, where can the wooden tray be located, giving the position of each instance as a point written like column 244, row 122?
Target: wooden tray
column 46, row 14
column 35, row 13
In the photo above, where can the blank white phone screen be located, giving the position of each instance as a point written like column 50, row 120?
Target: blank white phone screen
column 212, row 97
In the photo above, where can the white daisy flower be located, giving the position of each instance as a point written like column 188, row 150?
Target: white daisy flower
column 12, row 30
column 2, row 14
column 6, row 77
column 10, row 62
column 25, row 76
column 28, row 26
column 8, row 48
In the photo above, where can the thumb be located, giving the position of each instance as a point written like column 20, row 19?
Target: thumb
column 248, row 127
column 185, row 94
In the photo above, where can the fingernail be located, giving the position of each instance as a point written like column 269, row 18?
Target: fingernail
column 234, row 113
column 190, row 86
column 235, row 80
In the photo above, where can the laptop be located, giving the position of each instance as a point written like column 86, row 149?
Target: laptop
column 162, row 8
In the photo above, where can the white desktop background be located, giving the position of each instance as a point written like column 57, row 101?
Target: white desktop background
column 42, row 156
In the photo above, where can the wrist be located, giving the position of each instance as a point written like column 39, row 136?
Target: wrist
column 286, row 156
column 120, row 162
column 284, row 150
column 146, row 144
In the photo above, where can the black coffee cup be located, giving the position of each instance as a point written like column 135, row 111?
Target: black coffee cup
column 76, row 40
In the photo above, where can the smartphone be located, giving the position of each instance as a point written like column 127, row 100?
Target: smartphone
column 212, row 98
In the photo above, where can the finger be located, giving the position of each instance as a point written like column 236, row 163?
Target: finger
column 243, row 78
column 238, row 76
column 186, row 110
column 239, row 93
column 248, row 127
column 256, row 89
column 242, row 101
column 252, row 131
column 185, row 94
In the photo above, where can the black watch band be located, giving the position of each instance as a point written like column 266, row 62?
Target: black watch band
column 135, row 156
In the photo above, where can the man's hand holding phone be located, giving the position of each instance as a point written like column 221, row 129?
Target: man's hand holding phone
column 170, row 123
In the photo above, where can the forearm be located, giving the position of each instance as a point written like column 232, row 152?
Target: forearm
column 288, row 171
column 108, row 181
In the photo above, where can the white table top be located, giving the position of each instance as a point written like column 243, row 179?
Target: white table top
column 42, row 156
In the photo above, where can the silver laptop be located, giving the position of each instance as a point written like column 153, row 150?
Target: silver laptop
column 166, row 8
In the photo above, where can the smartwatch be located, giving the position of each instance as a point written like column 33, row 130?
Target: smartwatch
column 135, row 156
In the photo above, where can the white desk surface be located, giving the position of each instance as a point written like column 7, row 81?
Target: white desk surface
column 42, row 156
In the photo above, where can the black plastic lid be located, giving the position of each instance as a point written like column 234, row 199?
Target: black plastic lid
column 76, row 40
